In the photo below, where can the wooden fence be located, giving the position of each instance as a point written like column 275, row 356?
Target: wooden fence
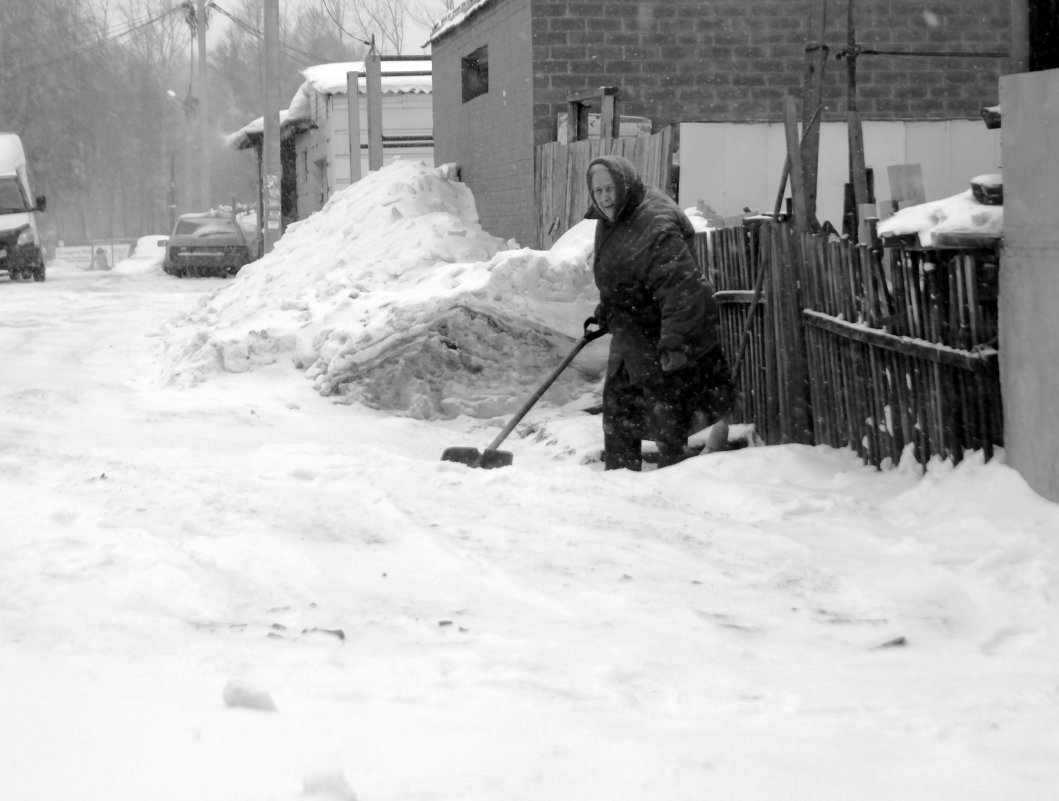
column 853, row 347
column 561, row 190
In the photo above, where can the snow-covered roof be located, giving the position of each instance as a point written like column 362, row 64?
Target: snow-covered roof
column 330, row 79
column 242, row 138
column 456, row 17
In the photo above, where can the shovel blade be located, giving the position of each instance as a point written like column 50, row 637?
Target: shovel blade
column 472, row 457
column 467, row 456
column 491, row 459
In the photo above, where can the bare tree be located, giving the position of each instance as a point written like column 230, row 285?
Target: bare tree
column 319, row 31
column 429, row 13
column 55, row 85
column 84, row 82
column 382, row 22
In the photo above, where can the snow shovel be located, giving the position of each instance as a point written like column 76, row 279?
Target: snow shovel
column 491, row 457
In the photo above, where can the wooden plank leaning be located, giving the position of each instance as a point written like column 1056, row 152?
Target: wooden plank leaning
column 759, row 279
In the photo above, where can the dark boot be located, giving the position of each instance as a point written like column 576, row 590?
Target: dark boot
column 621, row 452
column 622, row 422
column 670, row 455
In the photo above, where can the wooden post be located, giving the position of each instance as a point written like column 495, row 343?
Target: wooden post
column 353, row 118
column 577, row 106
column 794, row 152
column 610, row 119
column 576, row 121
column 857, row 171
column 205, row 141
column 812, row 101
column 271, row 146
column 373, row 70
column 806, row 132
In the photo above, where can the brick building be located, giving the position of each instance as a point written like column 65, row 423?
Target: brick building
column 504, row 69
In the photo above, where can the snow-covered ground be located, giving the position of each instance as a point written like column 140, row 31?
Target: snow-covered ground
column 218, row 583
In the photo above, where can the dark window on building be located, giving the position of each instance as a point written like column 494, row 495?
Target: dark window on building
column 474, row 70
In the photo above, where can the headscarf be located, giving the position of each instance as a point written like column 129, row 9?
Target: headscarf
column 628, row 185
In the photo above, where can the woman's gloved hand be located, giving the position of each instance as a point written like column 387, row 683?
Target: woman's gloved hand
column 599, row 320
column 673, row 360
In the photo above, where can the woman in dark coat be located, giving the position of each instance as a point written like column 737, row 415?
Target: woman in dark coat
column 666, row 369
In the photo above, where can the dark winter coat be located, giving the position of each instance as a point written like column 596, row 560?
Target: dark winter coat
column 653, row 296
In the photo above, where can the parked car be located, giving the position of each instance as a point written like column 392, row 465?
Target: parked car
column 146, row 255
column 206, row 244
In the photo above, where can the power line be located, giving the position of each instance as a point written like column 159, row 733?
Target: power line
column 293, row 52
column 331, row 14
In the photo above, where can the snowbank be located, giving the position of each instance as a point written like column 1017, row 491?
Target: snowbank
column 394, row 296
column 146, row 256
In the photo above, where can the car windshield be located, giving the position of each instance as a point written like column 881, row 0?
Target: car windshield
column 206, row 228
column 12, row 198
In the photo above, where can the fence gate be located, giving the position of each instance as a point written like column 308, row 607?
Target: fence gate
column 561, row 191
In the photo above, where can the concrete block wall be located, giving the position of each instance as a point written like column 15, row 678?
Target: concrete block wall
column 491, row 136
column 735, row 60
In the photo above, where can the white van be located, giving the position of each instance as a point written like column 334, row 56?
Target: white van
column 21, row 255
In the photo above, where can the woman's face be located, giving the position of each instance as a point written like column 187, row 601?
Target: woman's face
column 604, row 193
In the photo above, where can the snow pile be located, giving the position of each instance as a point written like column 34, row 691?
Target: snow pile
column 959, row 214
column 394, row 296
column 146, row 256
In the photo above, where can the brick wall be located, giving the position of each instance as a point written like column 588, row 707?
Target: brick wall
column 735, row 60
column 690, row 61
column 491, row 136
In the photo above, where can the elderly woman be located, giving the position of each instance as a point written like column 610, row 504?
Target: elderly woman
column 666, row 374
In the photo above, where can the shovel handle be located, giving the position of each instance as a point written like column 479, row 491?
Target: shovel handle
column 514, row 421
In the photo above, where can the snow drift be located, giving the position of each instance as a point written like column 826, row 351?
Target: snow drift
column 394, row 296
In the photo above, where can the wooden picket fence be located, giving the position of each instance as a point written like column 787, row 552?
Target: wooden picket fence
column 561, row 189
column 852, row 347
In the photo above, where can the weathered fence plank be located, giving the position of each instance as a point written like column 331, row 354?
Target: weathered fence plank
column 559, row 176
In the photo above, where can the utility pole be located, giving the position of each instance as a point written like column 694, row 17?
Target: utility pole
column 858, row 173
column 172, row 190
column 271, row 164
column 812, row 101
column 204, row 112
